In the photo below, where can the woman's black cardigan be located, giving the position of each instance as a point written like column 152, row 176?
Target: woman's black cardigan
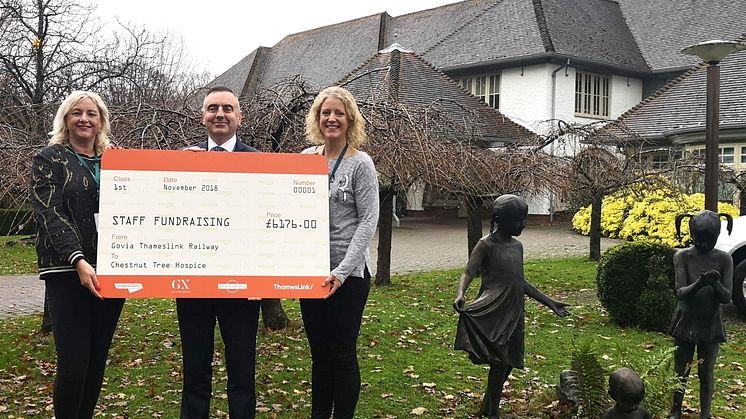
column 64, row 197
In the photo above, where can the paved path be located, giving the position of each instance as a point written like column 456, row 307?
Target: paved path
column 422, row 244
column 21, row 295
column 419, row 244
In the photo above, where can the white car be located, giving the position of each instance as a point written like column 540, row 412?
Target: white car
column 735, row 244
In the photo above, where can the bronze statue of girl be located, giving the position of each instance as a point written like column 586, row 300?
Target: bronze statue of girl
column 491, row 327
column 704, row 277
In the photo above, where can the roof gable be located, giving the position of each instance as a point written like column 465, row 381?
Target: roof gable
column 593, row 29
column 402, row 77
column 235, row 78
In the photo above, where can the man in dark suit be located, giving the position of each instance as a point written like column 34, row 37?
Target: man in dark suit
column 237, row 317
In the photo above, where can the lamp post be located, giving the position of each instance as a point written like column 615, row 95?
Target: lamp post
column 712, row 52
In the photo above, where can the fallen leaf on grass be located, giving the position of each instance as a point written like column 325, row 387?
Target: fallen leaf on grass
column 419, row 411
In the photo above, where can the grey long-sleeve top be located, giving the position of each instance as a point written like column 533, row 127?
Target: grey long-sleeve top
column 353, row 214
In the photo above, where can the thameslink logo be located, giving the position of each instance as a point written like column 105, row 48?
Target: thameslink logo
column 293, row 287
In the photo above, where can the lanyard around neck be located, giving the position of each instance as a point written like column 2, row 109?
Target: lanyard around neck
column 96, row 172
column 336, row 165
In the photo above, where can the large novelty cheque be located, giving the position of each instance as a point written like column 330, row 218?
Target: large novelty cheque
column 217, row 225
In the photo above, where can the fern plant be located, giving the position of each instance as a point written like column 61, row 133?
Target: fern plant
column 592, row 379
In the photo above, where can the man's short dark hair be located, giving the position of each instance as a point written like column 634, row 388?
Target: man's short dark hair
column 215, row 89
column 220, row 89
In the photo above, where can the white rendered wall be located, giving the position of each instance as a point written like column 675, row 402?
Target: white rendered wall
column 624, row 97
column 525, row 93
column 538, row 204
column 414, row 196
column 526, row 98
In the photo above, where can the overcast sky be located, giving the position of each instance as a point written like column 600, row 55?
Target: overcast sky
column 219, row 33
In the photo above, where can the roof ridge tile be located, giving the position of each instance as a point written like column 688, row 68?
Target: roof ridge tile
column 541, row 22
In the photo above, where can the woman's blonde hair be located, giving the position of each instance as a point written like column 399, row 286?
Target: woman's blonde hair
column 60, row 133
column 356, row 130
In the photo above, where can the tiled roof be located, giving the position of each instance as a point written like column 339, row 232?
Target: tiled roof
column 504, row 29
column 681, row 104
column 322, row 55
column 592, row 29
column 411, row 81
column 663, row 28
column 422, row 30
column 637, row 35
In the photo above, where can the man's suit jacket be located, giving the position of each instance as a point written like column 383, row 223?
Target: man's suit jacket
column 240, row 146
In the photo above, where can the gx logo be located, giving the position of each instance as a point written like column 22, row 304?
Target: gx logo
column 180, row 284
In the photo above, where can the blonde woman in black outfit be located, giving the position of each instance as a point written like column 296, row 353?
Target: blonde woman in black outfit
column 64, row 196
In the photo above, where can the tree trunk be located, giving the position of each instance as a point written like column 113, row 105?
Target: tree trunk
column 46, row 321
column 742, row 202
column 595, row 234
column 383, row 266
column 473, row 221
column 273, row 315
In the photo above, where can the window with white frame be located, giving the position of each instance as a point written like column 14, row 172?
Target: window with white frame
column 592, row 95
column 743, row 154
column 480, row 87
column 727, row 155
column 659, row 161
column 493, row 95
column 486, row 88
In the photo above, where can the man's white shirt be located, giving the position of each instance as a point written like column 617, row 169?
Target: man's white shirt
column 229, row 145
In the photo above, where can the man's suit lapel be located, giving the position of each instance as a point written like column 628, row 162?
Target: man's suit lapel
column 240, row 146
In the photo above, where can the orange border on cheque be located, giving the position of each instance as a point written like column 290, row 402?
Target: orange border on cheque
column 207, row 286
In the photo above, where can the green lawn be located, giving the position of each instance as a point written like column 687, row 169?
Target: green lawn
column 407, row 361
column 16, row 256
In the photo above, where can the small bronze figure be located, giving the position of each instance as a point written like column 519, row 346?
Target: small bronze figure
column 704, row 277
column 627, row 390
column 491, row 328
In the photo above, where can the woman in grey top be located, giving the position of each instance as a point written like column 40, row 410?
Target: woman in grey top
column 332, row 324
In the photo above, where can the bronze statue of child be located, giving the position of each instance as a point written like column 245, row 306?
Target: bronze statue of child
column 491, row 327
column 627, row 390
column 704, row 277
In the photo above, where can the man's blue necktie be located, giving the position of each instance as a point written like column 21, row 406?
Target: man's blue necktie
column 217, row 148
